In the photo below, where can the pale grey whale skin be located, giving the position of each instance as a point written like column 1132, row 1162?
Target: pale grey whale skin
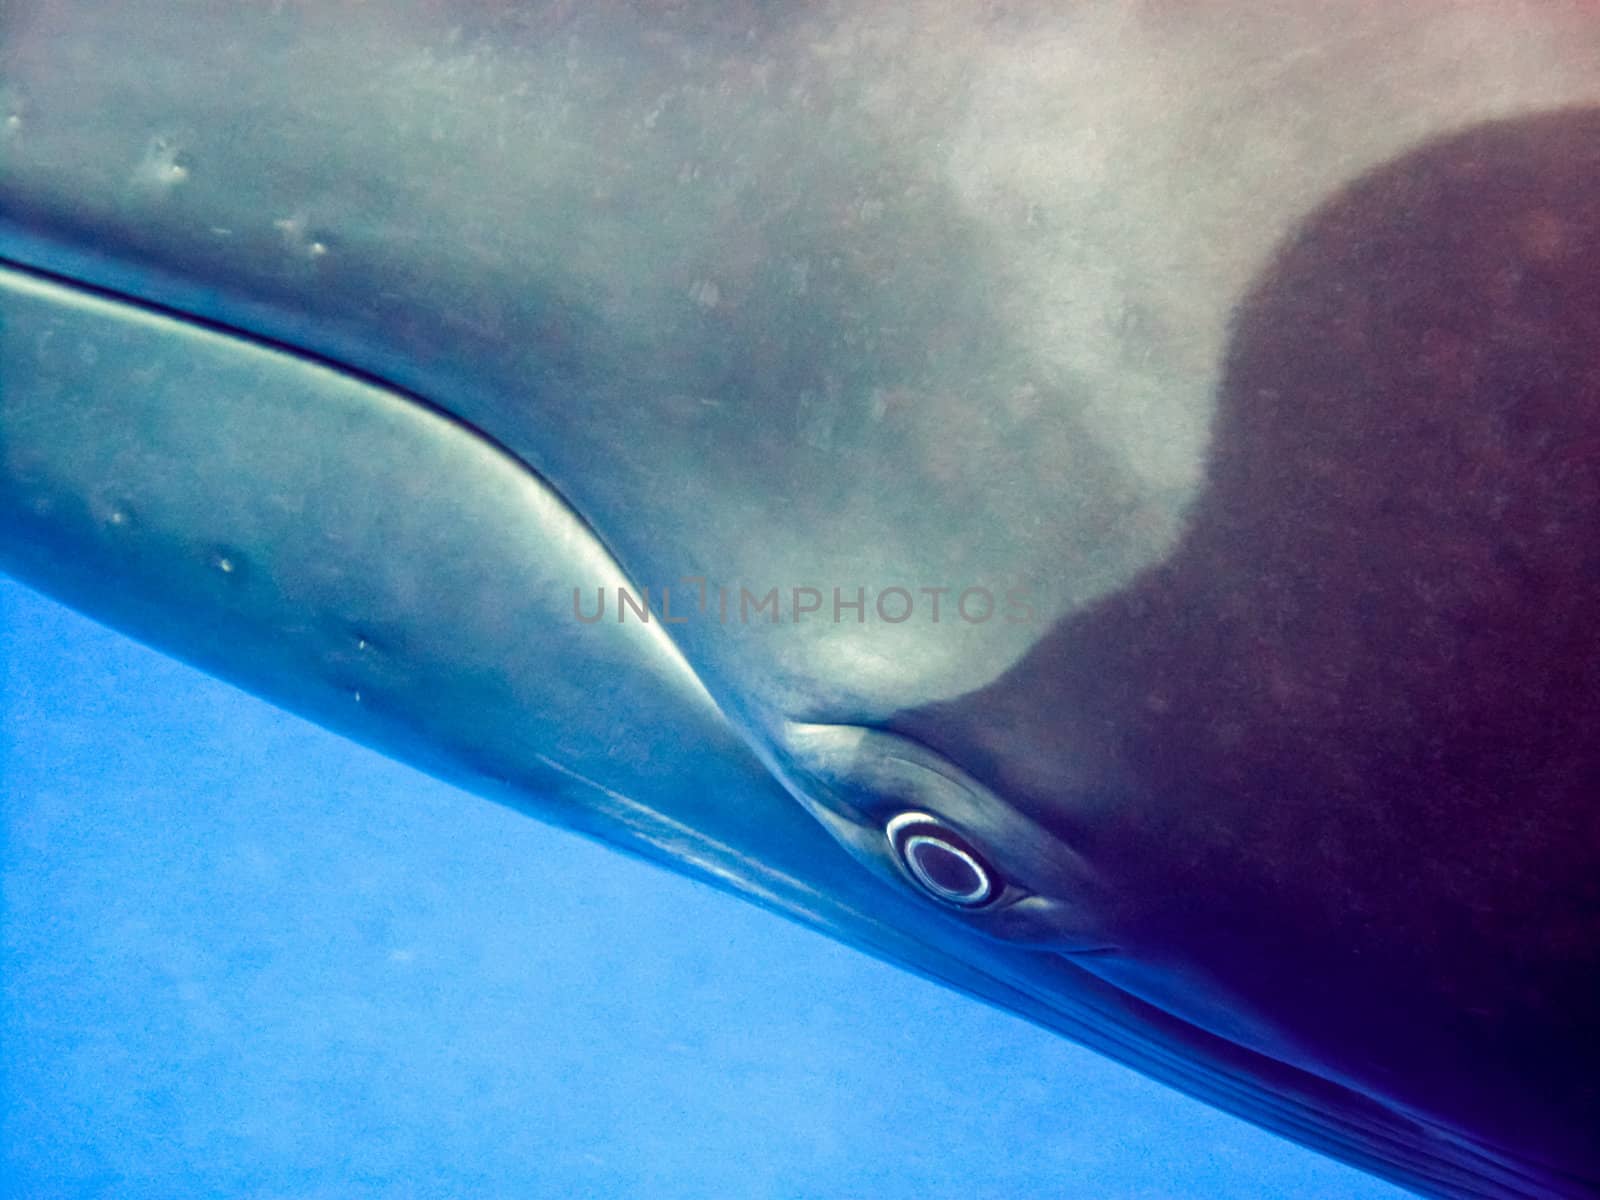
column 1253, row 346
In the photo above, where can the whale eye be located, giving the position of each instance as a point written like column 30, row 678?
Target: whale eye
column 941, row 863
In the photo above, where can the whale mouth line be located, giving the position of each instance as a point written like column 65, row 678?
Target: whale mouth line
column 1106, row 951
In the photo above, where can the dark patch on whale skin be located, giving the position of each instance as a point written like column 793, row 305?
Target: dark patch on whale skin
column 1339, row 755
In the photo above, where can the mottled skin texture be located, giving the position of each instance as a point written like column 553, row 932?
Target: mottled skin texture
column 1340, row 754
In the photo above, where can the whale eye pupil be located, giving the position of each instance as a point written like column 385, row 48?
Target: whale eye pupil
column 939, row 861
column 945, row 868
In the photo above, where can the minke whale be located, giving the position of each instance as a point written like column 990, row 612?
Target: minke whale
column 1095, row 503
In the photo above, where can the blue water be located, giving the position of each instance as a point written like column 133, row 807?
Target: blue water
column 241, row 957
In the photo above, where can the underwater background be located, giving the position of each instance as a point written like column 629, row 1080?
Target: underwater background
column 240, row 956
